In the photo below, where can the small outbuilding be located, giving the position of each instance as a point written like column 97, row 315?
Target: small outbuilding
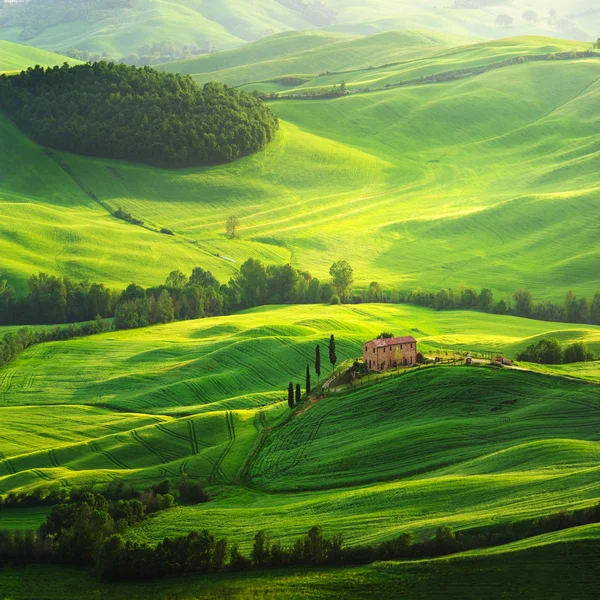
column 383, row 354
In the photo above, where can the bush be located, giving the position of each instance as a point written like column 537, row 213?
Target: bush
column 577, row 352
column 335, row 299
column 166, row 231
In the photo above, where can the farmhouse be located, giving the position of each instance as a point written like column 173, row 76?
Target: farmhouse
column 388, row 353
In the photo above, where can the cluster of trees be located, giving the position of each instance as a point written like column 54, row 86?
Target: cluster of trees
column 55, row 300
column 157, row 497
column 550, row 352
column 295, row 394
column 138, row 114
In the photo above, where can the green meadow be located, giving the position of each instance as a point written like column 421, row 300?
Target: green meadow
column 387, row 180
column 489, row 180
column 16, row 57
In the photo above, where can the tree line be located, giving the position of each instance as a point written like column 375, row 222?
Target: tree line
column 521, row 304
column 295, row 396
column 137, row 114
column 550, row 352
column 54, row 300
column 88, row 530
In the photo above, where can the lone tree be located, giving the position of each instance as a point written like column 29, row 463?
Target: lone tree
column 318, row 361
column 291, row 395
column 298, row 394
column 332, row 354
column 232, row 226
column 307, row 380
column 597, row 44
column 530, row 16
column 504, row 20
column 342, row 277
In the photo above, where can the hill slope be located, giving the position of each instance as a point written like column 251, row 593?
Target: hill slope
column 306, row 54
column 123, row 28
column 387, row 180
column 147, row 403
column 16, row 57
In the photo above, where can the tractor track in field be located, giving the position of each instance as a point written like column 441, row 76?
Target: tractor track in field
column 193, row 438
column 9, row 466
column 231, row 433
column 108, row 456
column 138, row 438
column 263, row 435
column 53, row 458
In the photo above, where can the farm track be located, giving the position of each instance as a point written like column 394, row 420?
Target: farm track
column 138, row 438
column 95, row 447
column 218, row 470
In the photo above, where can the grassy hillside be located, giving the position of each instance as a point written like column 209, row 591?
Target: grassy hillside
column 16, row 57
column 152, row 403
column 387, row 180
column 310, row 53
column 121, row 29
column 557, row 568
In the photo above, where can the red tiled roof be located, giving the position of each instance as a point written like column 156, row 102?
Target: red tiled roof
column 379, row 343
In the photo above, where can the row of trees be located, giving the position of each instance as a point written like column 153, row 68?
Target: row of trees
column 138, row 114
column 295, row 394
column 573, row 309
column 54, row 300
column 550, row 352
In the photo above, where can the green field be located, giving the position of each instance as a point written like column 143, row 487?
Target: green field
column 386, row 180
column 16, row 57
column 490, row 180
column 311, row 52
column 456, row 446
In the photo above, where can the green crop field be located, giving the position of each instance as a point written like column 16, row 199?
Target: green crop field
column 451, row 446
column 419, row 180
column 311, row 52
column 16, row 57
column 386, row 180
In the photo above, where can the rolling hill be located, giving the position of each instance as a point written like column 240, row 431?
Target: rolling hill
column 189, row 396
column 305, row 54
column 386, row 179
column 16, row 57
column 123, row 28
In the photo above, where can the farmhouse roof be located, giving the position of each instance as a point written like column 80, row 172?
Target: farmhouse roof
column 380, row 343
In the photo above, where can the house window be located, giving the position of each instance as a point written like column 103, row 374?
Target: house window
column 373, row 350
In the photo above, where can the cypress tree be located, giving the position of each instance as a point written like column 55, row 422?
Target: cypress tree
column 307, row 380
column 291, row 395
column 318, row 361
column 298, row 394
column 332, row 354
